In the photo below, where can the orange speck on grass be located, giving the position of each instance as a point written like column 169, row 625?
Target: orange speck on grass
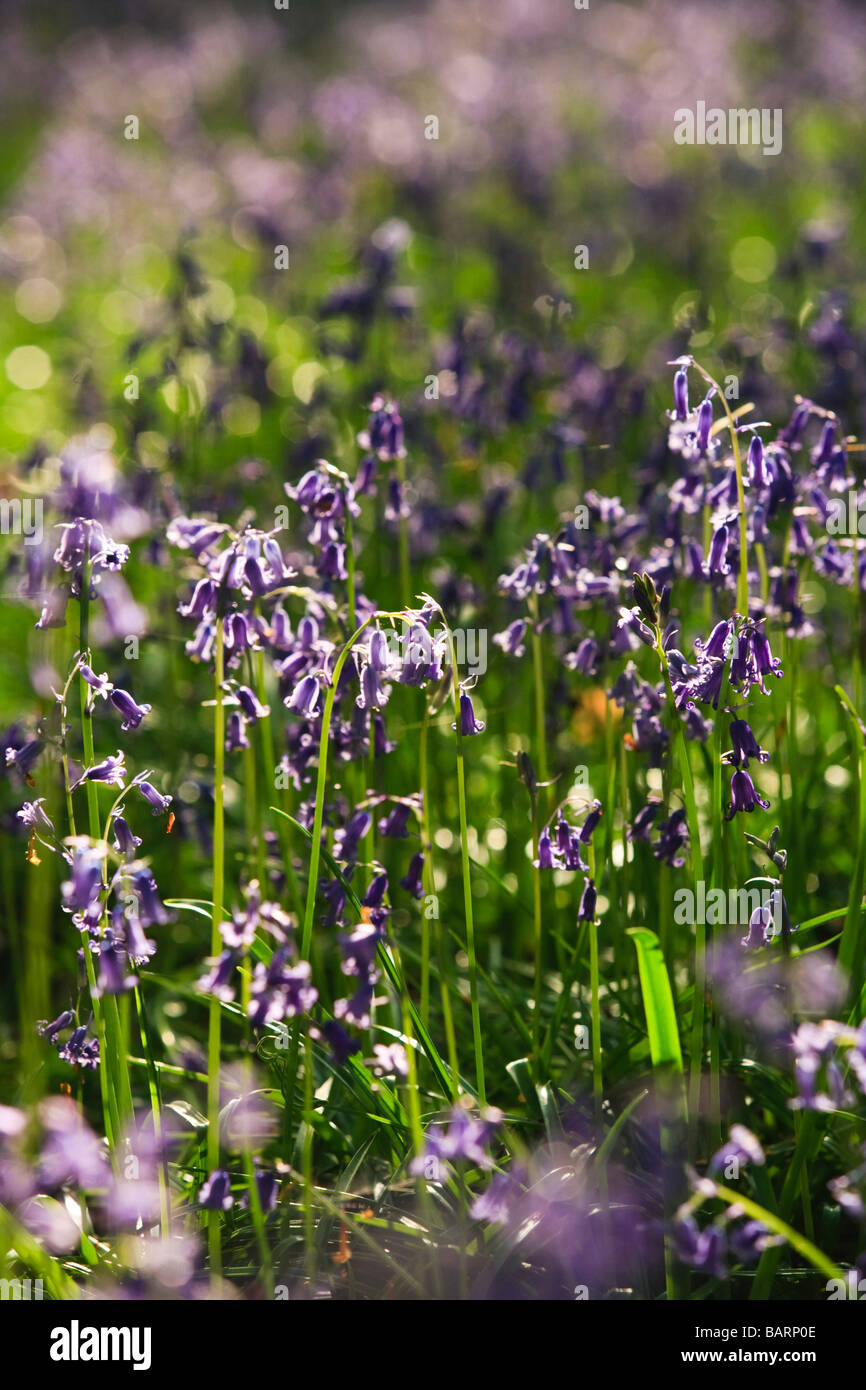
column 343, row 1254
column 591, row 712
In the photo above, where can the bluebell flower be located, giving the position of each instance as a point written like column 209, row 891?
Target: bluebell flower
column 593, row 816
column 124, row 841
column 681, row 394
column 151, row 910
column 112, row 977
column 268, row 1189
column 215, row 1193
column 715, row 646
column 421, row 657
column 413, row 882
column 49, row 1031
column 356, row 1011
column 304, row 699
column 545, row 858
column 376, row 891
column 384, row 435
column 347, row 839
column 496, row 1202
column 745, row 745
column 744, row 797
column 758, row 475
column 280, row 991
column 629, row 619
column 219, row 980
column 718, row 562
column 701, row 1250
column 80, row 1051
column 765, row 663
column 111, row 770
column 25, row 757
column 100, row 685
column 741, row 1146
column 342, row 1044
column 748, row 1240
column 159, row 804
column 642, row 824
column 236, row 732
column 466, row 1139
column 132, row 713
column 705, row 422
column 71, row 1152
column 673, row 837
column 395, row 824
column 202, row 602
column 390, row 1059
column 468, row 723
column 584, row 658
column 81, row 892
column 251, row 705
column 586, row 911
column 33, row 814
column 760, row 926
column 511, row 640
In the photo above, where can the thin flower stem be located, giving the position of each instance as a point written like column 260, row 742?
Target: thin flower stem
column 316, row 850
column 405, row 579
column 309, row 1136
column 429, row 881
column 538, row 681
column 214, row 1013
column 597, row 1077
column 153, row 1086
column 467, row 885
column 321, row 787
column 426, row 874
column 109, row 1104
column 537, row 942
column 697, row 1037
column 595, row 1008
column 743, row 576
column 266, row 734
column 808, row 1138
column 267, row 1274
column 112, row 1047
column 780, row 1227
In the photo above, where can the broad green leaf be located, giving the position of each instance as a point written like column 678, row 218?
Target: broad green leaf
column 661, row 1019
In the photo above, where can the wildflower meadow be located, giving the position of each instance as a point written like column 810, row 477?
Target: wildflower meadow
column 433, row 801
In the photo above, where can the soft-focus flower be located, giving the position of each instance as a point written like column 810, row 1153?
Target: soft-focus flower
column 215, row 1193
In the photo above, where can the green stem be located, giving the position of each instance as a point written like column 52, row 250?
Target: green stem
column 780, row 1227
column 538, row 681
column 743, row 576
column 697, row 1037
column 112, row 1049
column 405, row 580
column 597, row 1076
column 267, row 1274
column 537, row 940
column 214, row 1011
column 467, row 886
column 153, row 1086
